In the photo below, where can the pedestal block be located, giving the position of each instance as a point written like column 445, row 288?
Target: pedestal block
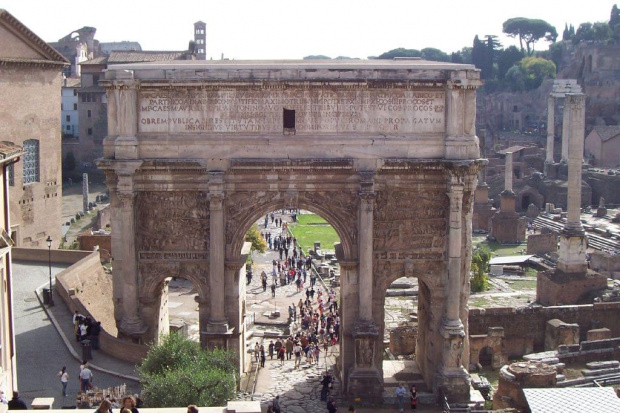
column 558, row 288
column 365, row 380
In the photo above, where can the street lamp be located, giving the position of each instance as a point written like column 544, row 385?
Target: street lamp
column 49, row 260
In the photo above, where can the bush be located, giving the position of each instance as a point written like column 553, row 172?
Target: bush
column 479, row 267
column 178, row 372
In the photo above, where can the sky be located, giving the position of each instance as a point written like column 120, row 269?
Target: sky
column 292, row 29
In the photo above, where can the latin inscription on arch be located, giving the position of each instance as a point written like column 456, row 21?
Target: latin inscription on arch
column 393, row 111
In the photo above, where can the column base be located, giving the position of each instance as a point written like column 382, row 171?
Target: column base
column 572, row 253
column 218, row 327
column 217, row 335
column 365, row 384
column 132, row 327
column 454, row 383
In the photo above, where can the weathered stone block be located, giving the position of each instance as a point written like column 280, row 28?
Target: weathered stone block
column 557, row 333
column 599, row 334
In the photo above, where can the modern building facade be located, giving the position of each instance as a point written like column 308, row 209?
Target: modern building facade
column 69, row 108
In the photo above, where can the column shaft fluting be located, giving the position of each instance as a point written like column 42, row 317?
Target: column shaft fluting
column 575, row 105
column 565, row 130
column 366, row 249
column 216, row 258
column 550, row 128
column 454, row 254
column 508, row 172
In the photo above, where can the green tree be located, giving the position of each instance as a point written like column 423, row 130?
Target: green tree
column 593, row 32
column 507, row 59
column 536, row 70
column 479, row 267
column 317, row 57
column 478, row 56
column 430, row 53
column 516, row 78
column 178, row 372
column 400, row 52
column 253, row 236
column 614, row 19
column 529, row 31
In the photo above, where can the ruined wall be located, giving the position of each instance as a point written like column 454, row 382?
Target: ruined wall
column 604, row 185
column 527, row 324
column 542, row 243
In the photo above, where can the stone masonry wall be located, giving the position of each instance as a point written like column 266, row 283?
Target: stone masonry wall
column 527, row 324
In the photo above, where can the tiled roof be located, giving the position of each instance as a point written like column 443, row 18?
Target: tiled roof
column 8, row 149
column 144, row 56
column 565, row 400
column 607, row 132
column 101, row 60
column 52, row 57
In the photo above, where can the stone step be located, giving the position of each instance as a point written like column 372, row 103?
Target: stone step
column 594, row 373
column 598, row 365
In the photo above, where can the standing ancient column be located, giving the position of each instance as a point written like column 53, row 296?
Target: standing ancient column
column 550, row 128
column 566, row 131
column 572, row 253
column 508, row 172
column 575, row 104
column 366, row 222
column 217, row 319
column 131, row 324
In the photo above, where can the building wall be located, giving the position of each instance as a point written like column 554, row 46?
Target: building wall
column 33, row 113
column 92, row 109
column 69, row 108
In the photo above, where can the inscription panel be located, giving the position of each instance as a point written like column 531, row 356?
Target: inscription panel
column 387, row 111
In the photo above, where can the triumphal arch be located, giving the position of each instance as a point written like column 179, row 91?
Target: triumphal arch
column 384, row 150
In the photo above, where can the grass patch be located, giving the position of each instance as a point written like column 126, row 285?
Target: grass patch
column 481, row 302
column 310, row 228
column 531, row 272
column 523, row 285
column 500, row 250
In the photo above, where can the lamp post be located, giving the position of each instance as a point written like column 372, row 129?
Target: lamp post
column 49, row 260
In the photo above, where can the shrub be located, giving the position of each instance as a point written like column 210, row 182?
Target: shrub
column 178, row 372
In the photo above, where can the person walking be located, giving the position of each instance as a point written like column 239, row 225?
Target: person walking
column 64, row 379
column 297, row 350
column 276, row 405
column 271, row 349
column 326, row 382
column 262, row 356
column 332, row 407
column 86, row 378
column 289, row 348
column 400, row 396
column 273, row 290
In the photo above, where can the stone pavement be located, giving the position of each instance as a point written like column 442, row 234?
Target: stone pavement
column 40, row 350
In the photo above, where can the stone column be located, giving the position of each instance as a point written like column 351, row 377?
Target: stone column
column 572, row 238
column 367, row 197
column 454, row 256
column 576, row 107
column 550, row 128
column 131, row 324
column 126, row 144
column 85, row 192
column 217, row 319
column 508, row 172
column 453, row 378
column 566, row 131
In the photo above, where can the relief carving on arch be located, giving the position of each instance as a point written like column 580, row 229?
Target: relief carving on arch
column 410, row 224
column 240, row 205
column 151, row 275
column 172, row 221
column 342, row 206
